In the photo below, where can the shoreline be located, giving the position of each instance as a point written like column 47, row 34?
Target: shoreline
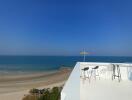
column 13, row 85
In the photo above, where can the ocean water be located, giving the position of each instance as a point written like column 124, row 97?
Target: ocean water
column 44, row 63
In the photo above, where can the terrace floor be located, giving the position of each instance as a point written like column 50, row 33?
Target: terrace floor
column 105, row 89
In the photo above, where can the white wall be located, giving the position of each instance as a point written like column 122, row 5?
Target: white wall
column 105, row 69
column 71, row 90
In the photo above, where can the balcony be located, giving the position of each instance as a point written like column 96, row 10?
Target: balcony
column 110, row 81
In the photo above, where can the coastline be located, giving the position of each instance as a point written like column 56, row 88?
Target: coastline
column 14, row 87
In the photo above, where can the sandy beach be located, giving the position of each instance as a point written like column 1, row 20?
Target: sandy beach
column 15, row 86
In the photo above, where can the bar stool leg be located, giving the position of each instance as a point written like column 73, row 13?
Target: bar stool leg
column 119, row 73
column 88, row 76
column 98, row 74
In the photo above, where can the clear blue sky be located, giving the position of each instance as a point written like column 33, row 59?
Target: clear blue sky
column 65, row 27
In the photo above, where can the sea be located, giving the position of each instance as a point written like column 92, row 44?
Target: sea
column 48, row 63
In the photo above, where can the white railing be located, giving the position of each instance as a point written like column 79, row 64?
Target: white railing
column 106, row 69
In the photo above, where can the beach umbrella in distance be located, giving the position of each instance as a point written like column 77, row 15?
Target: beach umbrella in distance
column 84, row 53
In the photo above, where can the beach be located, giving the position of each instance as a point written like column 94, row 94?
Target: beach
column 13, row 86
column 19, row 74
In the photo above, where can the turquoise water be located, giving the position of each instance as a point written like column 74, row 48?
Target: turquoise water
column 42, row 63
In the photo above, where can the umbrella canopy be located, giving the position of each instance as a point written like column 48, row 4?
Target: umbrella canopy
column 84, row 53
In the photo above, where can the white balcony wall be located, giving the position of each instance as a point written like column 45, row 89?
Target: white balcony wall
column 105, row 69
column 71, row 90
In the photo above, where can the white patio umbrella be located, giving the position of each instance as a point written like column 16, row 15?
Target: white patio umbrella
column 84, row 53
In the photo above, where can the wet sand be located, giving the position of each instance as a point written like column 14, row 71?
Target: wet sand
column 15, row 86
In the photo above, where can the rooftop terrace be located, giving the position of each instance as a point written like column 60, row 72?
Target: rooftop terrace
column 108, row 81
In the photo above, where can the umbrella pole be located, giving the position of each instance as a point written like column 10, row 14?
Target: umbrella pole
column 84, row 58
